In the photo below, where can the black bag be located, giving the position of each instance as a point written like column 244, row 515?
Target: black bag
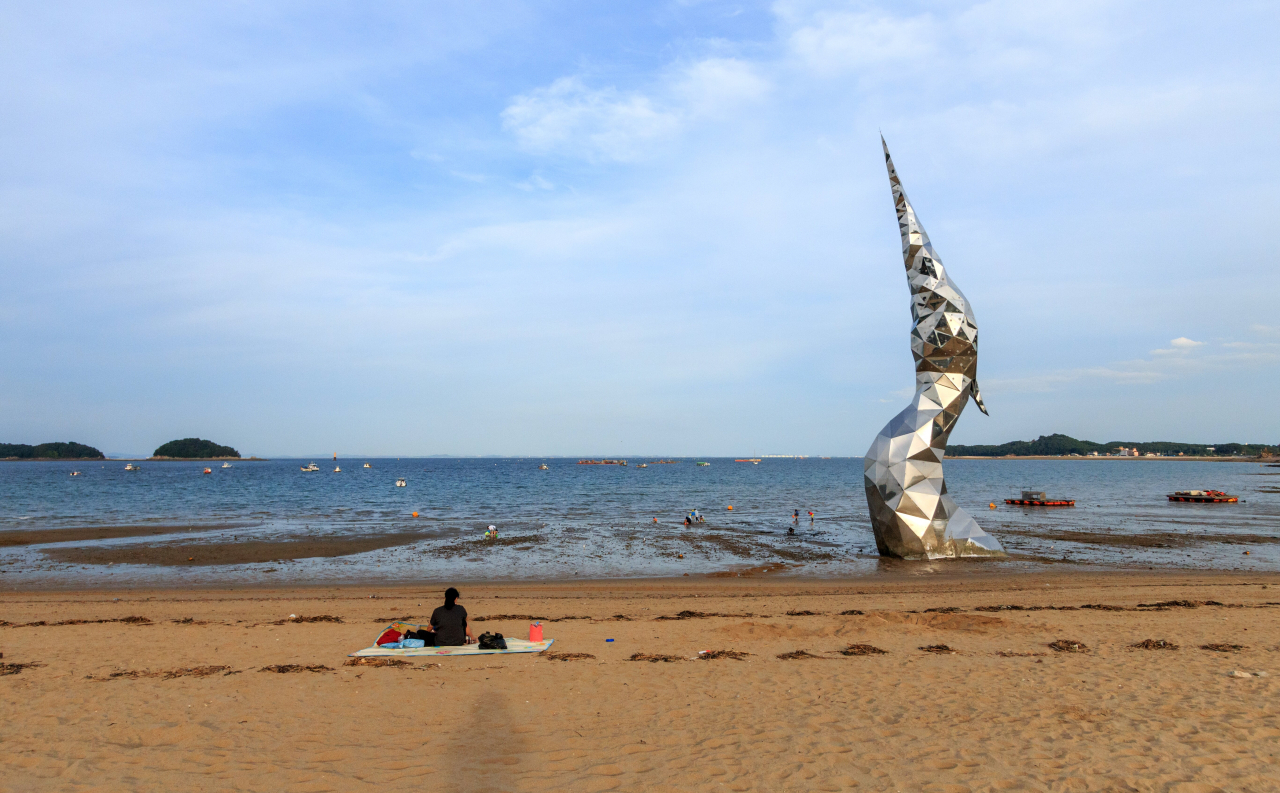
column 492, row 641
column 428, row 637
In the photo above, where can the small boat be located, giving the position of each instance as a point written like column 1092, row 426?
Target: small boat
column 366, row 465
column 75, row 473
column 208, row 470
column 544, row 467
column 226, row 465
column 702, row 463
column 401, row 483
column 1203, row 497
column 312, row 467
column 132, row 467
column 337, row 469
column 1037, row 498
column 642, row 465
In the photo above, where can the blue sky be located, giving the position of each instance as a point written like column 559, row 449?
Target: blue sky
column 628, row 228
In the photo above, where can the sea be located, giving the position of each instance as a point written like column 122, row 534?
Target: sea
column 571, row 521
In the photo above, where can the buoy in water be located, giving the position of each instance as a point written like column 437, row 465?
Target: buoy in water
column 731, row 508
column 992, row 505
column 415, row 514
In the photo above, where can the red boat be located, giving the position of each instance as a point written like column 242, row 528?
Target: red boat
column 1203, row 497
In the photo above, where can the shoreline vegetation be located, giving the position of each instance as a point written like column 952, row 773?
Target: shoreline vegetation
column 1057, row 445
column 194, row 448
column 69, row 450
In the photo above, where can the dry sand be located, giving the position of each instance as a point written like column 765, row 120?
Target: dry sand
column 183, row 702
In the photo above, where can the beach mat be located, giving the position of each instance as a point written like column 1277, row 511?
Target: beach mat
column 513, row 646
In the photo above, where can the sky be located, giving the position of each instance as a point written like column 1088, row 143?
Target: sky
column 578, row 228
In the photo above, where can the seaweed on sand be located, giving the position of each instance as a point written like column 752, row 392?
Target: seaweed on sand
column 551, row 656
column 715, row 655
column 940, row 649
column 364, row 661
column 288, row 668
column 798, row 655
column 654, row 658
column 1154, row 644
column 1068, row 646
column 1223, row 648
column 862, row 649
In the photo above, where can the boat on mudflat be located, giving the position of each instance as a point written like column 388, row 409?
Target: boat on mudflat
column 1203, row 497
column 1037, row 498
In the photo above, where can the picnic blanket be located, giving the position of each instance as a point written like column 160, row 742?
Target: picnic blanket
column 513, row 646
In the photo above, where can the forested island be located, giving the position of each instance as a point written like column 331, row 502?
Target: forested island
column 194, row 449
column 1062, row 445
column 49, row 451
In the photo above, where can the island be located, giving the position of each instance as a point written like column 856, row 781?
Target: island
column 1058, row 445
column 49, row 451
column 194, row 449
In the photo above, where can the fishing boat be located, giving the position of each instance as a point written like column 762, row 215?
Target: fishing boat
column 226, row 465
column 544, row 467
column 366, row 465
column 337, row 469
column 132, row 467
column 1037, row 498
column 75, row 473
column 311, row 467
column 702, row 463
column 401, row 483
column 642, row 465
column 1203, row 497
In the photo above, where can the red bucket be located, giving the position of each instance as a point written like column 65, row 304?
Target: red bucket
column 535, row 631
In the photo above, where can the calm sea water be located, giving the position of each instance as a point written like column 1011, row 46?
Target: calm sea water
column 598, row 521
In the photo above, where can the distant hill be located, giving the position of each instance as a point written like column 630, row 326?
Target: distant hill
column 49, row 451
column 194, row 448
column 1056, row 445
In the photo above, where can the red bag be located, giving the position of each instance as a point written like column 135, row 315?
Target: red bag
column 391, row 635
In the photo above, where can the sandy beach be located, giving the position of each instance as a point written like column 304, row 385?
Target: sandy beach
column 178, row 689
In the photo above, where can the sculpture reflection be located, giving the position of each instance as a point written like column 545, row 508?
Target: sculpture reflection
column 911, row 514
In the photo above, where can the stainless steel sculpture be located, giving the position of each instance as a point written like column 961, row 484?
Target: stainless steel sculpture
column 911, row 514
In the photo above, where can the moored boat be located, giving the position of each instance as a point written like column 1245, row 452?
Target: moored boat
column 1037, row 498
column 132, row 467
column 401, row 483
column 311, row 467
column 1203, row 497
column 208, row 470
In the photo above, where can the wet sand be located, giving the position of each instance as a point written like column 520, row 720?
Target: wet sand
column 13, row 539
column 195, row 554
column 218, row 689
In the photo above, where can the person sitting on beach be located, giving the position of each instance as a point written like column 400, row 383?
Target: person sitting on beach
column 450, row 622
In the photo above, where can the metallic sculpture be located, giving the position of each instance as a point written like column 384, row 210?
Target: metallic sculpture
column 911, row 514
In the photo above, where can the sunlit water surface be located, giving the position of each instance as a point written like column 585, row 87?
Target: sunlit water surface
column 597, row 521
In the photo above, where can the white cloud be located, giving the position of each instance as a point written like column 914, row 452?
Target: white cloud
column 715, row 85
column 1183, row 358
column 569, row 118
column 833, row 42
column 1180, row 345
